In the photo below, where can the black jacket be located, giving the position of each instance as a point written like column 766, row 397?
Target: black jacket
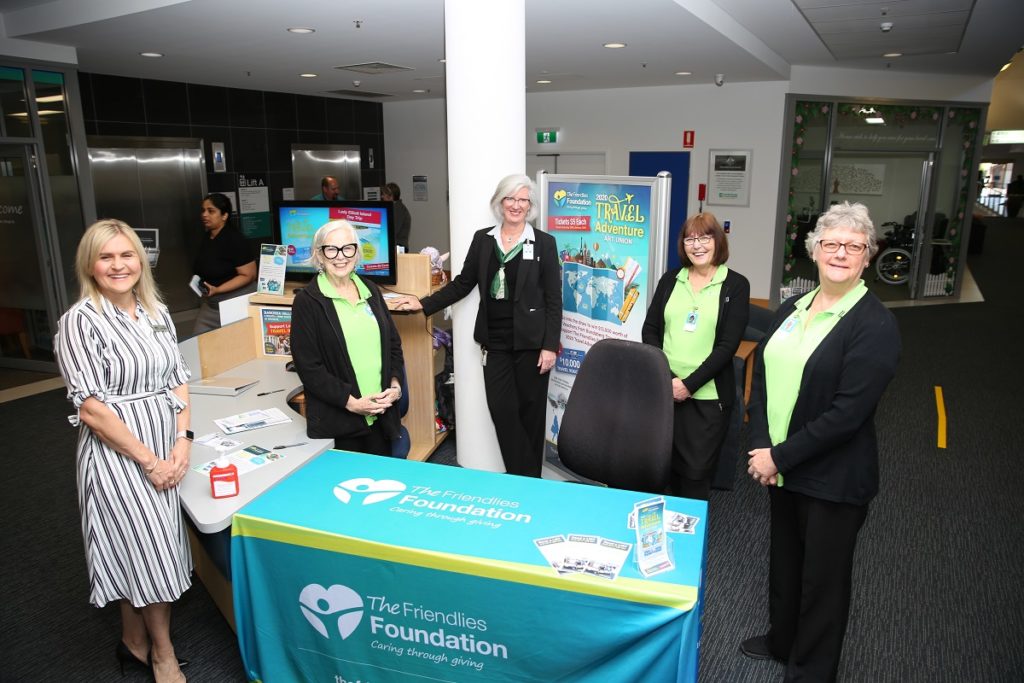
column 325, row 368
column 831, row 451
column 733, row 312
column 537, row 301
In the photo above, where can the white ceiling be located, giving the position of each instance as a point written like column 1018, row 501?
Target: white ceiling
column 244, row 44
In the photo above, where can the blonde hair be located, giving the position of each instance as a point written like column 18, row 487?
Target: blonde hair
column 95, row 238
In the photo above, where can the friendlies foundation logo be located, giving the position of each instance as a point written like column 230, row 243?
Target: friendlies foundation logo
column 341, row 601
column 370, row 490
column 559, row 197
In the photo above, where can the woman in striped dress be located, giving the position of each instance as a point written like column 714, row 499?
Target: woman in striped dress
column 118, row 353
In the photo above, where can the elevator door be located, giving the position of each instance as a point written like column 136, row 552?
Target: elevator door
column 155, row 184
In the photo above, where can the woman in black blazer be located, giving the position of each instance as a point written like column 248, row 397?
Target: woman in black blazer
column 697, row 315
column 515, row 267
column 818, row 377
column 346, row 349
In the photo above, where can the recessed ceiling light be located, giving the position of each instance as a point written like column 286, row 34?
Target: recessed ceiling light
column 614, row 46
column 307, row 75
column 301, row 29
column 874, row 120
column 419, row 91
column 684, row 73
column 893, row 54
column 153, row 55
column 543, row 82
column 1005, row 67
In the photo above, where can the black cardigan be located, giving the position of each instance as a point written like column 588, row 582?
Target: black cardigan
column 733, row 312
column 537, row 301
column 831, row 451
column 325, row 368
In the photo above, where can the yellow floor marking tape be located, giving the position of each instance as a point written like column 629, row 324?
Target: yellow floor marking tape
column 940, row 407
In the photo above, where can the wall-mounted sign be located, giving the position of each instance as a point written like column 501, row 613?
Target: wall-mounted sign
column 1006, row 137
column 729, row 177
column 254, row 204
column 688, row 136
column 547, row 135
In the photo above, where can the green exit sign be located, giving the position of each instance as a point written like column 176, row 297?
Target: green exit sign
column 547, row 136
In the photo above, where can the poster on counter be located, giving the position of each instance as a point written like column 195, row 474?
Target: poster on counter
column 273, row 263
column 276, row 329
column 729, row 177
column 611, row 234
column 254, row 205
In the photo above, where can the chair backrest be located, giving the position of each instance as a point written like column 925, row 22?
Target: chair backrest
column 617, row 426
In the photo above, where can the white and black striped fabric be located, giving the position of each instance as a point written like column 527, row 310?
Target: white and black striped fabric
column 136, row 547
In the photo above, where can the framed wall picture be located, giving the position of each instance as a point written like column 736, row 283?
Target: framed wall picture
column 729, row 177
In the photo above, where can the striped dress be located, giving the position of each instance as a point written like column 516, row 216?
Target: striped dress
column 136, row 547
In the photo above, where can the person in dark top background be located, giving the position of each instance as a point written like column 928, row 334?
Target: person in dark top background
column 403, row 219
column 1014, row 196
column 225, row 263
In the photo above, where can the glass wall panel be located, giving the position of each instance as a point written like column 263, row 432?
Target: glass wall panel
column 806, row 185
column 887, row 126
column 14, row 118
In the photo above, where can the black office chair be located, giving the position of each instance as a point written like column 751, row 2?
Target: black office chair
column 617, row 426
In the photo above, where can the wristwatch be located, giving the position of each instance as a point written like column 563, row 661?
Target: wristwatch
column 184, row 434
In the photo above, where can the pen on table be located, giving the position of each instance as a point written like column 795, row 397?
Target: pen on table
column 268, row 393
column 290, row 445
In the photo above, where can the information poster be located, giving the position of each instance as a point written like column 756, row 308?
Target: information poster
column 273, row 258
column 254, row 205
column 607, row 234
column 277, row 331
column 729, row 177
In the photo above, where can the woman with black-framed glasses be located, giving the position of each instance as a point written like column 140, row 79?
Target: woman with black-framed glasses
column 697, row 316
column 818, row 377
column 346, row 349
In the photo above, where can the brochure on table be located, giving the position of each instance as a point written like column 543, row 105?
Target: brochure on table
column 611, row 234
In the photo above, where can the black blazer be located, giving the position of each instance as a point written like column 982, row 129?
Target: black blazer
column 325, row 368
column 537, row 301
column 831, row 451
column 733, row 312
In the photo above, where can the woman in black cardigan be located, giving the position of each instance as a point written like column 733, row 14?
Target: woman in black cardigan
column 516, row 269
column 697, row 316
column 346, row 349
column 818, row 377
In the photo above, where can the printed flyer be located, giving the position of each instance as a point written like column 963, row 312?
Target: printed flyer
column 277, row 331
column 273, row 260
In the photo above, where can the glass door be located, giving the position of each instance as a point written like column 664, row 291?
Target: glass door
column 29, row 274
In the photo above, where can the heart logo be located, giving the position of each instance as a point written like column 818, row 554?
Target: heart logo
column 341, row 601
column 371, row 490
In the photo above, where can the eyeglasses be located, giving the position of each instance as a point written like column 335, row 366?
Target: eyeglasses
column 516, row 201
column 699, row 239
column 331, row 252
column 852, row 248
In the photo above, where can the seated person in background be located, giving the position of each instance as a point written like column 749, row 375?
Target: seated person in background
column 329, row 189
column 403, row 219
column 225, row 263
column 346, row 349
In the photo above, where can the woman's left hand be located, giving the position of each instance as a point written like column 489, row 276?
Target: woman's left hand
column 546, row 361
column 761, row 467
column 179, row 459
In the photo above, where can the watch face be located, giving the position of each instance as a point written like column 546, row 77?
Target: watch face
column 189, row 435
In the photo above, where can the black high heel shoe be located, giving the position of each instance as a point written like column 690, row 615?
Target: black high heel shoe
column 126, row 656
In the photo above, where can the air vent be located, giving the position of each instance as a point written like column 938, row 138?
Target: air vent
column 358, row 93
column 373, row 68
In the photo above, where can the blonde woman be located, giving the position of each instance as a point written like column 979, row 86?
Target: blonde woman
column 118, row 354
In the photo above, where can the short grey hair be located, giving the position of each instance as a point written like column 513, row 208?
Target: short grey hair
column 325, row 230
column 846, row 215
column 508, row 186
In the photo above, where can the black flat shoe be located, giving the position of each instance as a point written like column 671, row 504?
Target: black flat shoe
column 757, row 648
column 127, row 657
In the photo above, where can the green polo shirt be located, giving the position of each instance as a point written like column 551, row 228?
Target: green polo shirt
column 787, row 352
column 690, row 321
column 362, row 335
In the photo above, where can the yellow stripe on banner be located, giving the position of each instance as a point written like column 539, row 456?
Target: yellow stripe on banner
column 671, row 595
column 940, row 408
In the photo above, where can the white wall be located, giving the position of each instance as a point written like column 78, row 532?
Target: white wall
column 615, row 122
column 415, row 143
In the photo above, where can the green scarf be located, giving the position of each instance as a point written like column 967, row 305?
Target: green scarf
column 498, row 289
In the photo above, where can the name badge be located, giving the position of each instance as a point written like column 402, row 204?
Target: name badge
column 790, row 323
column 158, row 327
column 691, row 322
column 528, row 251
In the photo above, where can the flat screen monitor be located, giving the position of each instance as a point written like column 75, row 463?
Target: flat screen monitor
column 297, row 222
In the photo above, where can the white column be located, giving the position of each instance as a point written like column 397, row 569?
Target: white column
column 485, row 69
